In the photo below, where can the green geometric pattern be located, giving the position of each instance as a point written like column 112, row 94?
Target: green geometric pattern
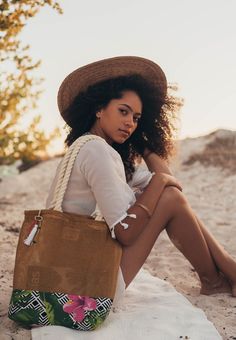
column 29, row 308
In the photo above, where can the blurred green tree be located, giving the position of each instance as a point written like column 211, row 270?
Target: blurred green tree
column 19, row 88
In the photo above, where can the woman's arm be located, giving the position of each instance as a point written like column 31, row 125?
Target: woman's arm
column 113, row 195
column 149, row 198
column 155, row 163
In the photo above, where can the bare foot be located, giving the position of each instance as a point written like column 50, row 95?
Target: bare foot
column 221, row 286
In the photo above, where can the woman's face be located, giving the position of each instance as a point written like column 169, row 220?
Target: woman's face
column 119, row 119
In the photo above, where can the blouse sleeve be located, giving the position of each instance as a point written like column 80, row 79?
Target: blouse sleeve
column 106, row 177
column 141, row 178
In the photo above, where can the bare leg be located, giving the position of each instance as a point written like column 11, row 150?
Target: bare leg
column 224, row 262
column 174, row 213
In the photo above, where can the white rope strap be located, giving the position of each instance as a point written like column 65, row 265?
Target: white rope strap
column 67, row 171
column 61, row 174
column 66, row 168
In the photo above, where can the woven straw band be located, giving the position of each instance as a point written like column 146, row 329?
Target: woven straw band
column 90, row 74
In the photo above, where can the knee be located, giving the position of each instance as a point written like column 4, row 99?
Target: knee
column 173, row 195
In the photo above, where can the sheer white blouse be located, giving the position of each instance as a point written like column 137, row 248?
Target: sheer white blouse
column 98, row 187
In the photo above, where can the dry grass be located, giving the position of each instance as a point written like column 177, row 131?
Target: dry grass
column 221, row 152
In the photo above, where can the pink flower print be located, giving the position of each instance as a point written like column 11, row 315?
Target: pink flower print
column 77, row 305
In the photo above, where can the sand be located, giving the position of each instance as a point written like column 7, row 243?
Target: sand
column 211, row 192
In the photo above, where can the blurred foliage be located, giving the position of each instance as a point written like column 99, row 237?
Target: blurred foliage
column 19, row 88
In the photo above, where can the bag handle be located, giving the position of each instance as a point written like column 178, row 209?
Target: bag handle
column 65, row 170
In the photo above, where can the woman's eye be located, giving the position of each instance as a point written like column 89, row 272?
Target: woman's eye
column 123, row 111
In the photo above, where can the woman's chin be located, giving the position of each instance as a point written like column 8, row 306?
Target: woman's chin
column 120, row 140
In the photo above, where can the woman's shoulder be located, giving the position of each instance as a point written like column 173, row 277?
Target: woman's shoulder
column 94, row 142
column 97, row 147
column 90, row 140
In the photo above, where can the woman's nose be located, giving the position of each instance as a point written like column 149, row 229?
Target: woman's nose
column 129, row 121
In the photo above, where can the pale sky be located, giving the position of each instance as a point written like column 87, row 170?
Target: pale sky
column 193, row 41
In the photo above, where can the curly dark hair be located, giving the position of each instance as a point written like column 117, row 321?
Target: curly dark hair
column 155, row 129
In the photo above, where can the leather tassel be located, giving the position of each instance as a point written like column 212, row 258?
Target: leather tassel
column 28, row 241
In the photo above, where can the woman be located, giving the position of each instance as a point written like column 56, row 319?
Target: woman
column 124, row 101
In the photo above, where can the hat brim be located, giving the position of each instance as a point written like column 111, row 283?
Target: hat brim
column 80, row 79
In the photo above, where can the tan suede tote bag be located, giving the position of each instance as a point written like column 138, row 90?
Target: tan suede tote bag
column 64, row 254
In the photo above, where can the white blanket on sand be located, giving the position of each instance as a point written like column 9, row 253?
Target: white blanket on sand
column 151, row 309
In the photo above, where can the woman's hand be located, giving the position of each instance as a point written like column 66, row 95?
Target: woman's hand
column 170, row 180
column 161, row 169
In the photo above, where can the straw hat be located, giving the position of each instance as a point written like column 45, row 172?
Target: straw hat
column 90, row 74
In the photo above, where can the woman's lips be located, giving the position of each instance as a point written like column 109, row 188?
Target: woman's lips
column 126, row 133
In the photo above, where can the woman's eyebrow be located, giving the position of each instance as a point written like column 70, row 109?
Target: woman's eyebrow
column 129, row 107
